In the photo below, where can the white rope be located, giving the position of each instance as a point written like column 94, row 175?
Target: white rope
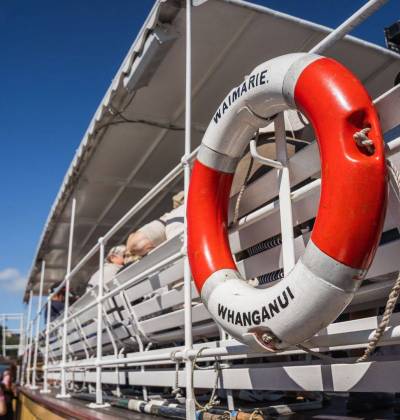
column 243, row 187
column 176, row 391
column 213, row 400
column 393, row 295
column 374, row 340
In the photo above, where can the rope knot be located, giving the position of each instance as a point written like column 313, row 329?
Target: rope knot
column 363, row 141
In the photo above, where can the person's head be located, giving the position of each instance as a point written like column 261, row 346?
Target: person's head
column 178, row 199
column 6, row 377
column 60, row 295
column 116, row 255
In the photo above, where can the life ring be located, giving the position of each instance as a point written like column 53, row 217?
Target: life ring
column 351, row 212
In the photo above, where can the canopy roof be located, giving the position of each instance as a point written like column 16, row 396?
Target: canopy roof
column 119, row 161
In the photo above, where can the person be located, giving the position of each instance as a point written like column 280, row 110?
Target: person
column 113, row 263
column 130, row 259
column 7, row 395
column 3, row 405
column 57, row 303
column 153, row 234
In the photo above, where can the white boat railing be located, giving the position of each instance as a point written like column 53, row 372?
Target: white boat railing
column 12, row 337
column 81, row 336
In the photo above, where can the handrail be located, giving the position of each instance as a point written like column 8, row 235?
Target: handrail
column 111, row 293
column 169, row 178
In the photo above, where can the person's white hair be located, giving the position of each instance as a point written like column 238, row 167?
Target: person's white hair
column 118, row 250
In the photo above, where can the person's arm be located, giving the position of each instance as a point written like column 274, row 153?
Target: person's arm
column 14, row 389
column 94, row 281
column 3, row 406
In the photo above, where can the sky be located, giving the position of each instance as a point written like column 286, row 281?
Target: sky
column 57, row 61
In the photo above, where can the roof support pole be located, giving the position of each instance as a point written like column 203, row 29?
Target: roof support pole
column 21, row 337
column 285, row 200
column 26, row 343
column 190, row 404
column 348, row 25
column 29, row 367
column 39, row 307
column 20, row 353
column 63, row 393
column 45, row 389
column 100, row 291
column 3, row 331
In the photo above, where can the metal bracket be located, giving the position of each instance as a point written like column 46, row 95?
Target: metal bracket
column 62, row 396
column 95, row 405
column 263, row 160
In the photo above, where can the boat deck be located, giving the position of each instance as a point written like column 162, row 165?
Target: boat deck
column 72, row 408
column 77, row 409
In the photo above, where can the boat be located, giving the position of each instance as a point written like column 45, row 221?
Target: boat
column 149, row 340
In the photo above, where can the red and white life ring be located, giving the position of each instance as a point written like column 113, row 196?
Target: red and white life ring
column 350, row 216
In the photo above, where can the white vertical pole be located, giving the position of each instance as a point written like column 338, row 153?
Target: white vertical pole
column 63, row 393
column 99, row 392
column 190, row 405
column 3, row 331
column 29, row 368
column 39, row 307
column 26, row 340
column 20, row 366
column 285, row 202
column 45, row 389
column 28, row 321
column 21, row 336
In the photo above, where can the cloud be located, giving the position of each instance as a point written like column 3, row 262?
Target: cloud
column 12, row 280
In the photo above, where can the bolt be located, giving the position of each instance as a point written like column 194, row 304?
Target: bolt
column 266, row 338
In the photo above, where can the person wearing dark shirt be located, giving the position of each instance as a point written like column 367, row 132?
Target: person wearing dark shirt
column 7, row 395
column 57, row 304
column 3, row 405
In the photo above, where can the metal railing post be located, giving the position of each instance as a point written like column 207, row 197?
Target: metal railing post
column 45, row 389
column 285, row 201
column 3, row 333
column 21, row 336
column 39, row 307
column 63, row 393
column 99, row 391
column 29, row 367
column 26, row 342
column 20, row 354
column 190, row 405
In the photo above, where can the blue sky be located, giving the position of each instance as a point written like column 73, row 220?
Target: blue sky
column 57, row 60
